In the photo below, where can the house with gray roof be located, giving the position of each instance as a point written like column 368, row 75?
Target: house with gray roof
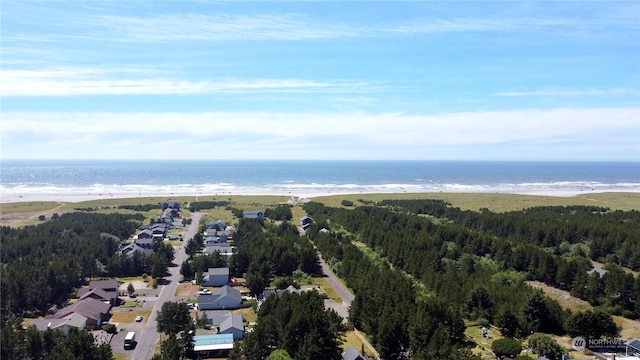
column 63, row 324
column 216, row 277
column 214, row 317
column 94, row 310
column 633, row 347
column 253, row 214
column 224, row 249
column 129, row 249
column 597, row 269
column 233, row 324
column 224, row 298
column 351, row 353
column 102, row 290
column 278, row 292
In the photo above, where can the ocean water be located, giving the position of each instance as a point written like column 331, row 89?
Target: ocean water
column 297, row 178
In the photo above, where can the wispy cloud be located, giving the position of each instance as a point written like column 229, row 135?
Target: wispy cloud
column 83, row 81
column 225, row 27
column 569, row 92
column 323, row 135
column 181, row 27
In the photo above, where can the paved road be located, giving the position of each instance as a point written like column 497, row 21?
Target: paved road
column 347, row 297
column 148, row 338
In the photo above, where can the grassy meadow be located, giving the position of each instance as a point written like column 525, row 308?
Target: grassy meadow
column 28, row 213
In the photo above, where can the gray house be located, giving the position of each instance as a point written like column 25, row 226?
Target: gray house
column 233, row 324
column 633, row 347
column 253, row 214
column 216, row 277
column 351, row 353
column 224, row 298
column 63, row 324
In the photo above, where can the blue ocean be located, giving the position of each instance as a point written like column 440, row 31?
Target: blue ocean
column 301, row 178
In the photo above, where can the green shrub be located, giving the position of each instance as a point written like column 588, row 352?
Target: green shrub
column 109, row 328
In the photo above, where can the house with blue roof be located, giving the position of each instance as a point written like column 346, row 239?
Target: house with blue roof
column 217, row 345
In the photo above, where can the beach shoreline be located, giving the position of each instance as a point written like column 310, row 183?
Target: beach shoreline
column 16, row 197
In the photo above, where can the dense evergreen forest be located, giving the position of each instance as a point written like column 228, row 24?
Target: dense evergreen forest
column 296, row 323
column 44, row 263
column 50, row 344
column 472, row 265
column 266, row 250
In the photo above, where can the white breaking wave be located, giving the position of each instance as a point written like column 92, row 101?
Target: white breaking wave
column 20, row 192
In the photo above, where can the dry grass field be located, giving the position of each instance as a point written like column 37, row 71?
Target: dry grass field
column 129, row 316
column 498, row 202
column 27, row 213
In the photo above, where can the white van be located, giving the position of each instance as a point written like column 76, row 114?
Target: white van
column 130, row 340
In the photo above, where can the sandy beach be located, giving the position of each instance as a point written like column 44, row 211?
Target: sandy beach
column 13, row 197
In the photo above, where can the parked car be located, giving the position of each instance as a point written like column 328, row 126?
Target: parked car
column 138, row 318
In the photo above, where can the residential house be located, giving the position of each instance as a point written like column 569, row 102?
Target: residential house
column 224, row 249
column 217, row 345
column 233, row 324
column 278, row 292
column 226, row 322
column 174, row 205
column 253, row 214
column 210, row 232
column 633, row 347
column 63, row 324
column 214, row 317
column 129, row 249
column 597, row 269
column 102, row 290
column 216, row 277
column 94, row 310
column 224, row 298
column 145, row 237
column 159, row 231
column 350, row 353
column 305, row 222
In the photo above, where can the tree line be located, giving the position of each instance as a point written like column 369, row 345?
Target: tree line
column 297, row 324
column 43, row 264
column 18, row 343
column 462, row 273
column 266, row 250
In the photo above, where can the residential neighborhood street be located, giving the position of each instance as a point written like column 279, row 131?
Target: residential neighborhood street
column 149, row 337
column 347, row 297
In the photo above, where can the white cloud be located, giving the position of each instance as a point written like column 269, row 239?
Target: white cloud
column 83, row 81
column 569, row 92
column 611, row 132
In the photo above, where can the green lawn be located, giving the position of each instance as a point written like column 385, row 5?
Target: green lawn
column 474, row 333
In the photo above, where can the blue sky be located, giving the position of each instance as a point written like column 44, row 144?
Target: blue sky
column 441, row 80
